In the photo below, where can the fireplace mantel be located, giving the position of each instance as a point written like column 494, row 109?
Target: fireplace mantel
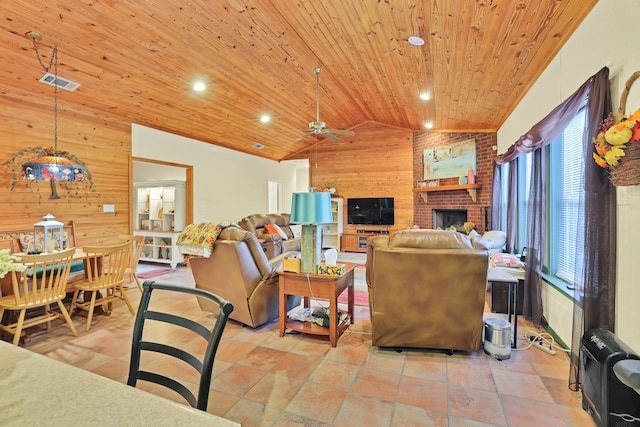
column 471, row 188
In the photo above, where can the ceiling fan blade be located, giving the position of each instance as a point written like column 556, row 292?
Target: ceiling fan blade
column 300, row 138
column 341, row 132
column 331, row 137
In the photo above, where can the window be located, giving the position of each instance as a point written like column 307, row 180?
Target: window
column 565, row 239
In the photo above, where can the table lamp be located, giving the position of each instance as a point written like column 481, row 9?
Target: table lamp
column 311, row 209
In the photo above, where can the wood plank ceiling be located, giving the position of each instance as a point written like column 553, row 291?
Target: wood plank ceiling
column 138, row 58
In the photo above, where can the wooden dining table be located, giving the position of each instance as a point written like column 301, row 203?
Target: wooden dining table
column 37, row 390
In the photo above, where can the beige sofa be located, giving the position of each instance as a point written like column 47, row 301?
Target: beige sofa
column 426, row 290
column 272, row 244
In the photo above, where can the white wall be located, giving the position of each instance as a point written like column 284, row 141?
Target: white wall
column 603, row 39
column 227, row 185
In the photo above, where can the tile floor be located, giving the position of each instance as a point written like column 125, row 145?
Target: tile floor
column 261, row 379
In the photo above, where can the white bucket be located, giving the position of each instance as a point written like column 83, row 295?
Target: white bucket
column 497, row 338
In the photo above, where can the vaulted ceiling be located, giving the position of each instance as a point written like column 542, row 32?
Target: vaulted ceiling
column 139, row 58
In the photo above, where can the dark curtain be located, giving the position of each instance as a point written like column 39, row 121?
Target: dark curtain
column 496, row 197
column 539, row 136
column 594, row 304
column 512, row 206
column 536, row 235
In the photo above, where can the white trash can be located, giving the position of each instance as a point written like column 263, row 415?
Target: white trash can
column 497, row 338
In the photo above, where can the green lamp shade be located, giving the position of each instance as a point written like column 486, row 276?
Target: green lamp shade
column 311, row 208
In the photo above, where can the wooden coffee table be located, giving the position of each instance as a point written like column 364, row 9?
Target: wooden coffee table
column 317, row 286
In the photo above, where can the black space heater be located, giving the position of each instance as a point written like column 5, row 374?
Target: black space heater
column 610, row 402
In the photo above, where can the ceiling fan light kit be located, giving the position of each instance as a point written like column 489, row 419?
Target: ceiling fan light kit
column 320, row 128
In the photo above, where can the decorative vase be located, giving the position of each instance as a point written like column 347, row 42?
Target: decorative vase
column 471, row 178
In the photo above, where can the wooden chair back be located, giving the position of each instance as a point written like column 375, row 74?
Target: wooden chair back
column 44, row 281
column 106, row 265
column 136, row 251
column 40, row 285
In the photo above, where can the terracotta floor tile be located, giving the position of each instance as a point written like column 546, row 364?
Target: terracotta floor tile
column 252, row 414
column 296, row 365
column 287, row 419
column 428, row 366
column 470, row 376
column 521, row 385
column 360, row 410
column 411, row 416
column 466, row 422
column 576, row 416
column 219, row 402
column 334, row 374
column 423, row 393
column 344, row 353
column 262, row 358
column 116, row 369
column 317, row 401
column 559, row 389
column 476, row 404
column 274, row 390
column 373, row 383
column 237, row 380
column 385, row 360
column 523, row 412
column 312, row 346
column 232, row 351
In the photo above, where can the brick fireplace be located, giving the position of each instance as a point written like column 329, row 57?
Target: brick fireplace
column 445, row 218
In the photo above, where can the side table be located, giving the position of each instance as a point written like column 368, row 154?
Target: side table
column 317, row 286
column 501, row 275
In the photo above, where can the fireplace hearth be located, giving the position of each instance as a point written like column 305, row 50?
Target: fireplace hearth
column 445, row 218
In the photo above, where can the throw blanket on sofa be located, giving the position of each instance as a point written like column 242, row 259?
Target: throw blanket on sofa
column 199, row 239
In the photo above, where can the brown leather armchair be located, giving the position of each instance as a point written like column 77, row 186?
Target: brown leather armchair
column 239, row 271
column 272, row 244
column 427, row 289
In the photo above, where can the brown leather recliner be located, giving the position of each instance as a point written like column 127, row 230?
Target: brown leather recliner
column 426, row 290
column 272, row 244
column 239, row 271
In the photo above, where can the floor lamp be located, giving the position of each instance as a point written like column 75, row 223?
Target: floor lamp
column 311, row 209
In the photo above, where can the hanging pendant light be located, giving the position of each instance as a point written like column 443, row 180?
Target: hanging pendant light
column 55, row 165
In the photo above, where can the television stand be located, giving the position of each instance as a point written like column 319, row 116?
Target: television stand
column 373, row 231
column 356, row 241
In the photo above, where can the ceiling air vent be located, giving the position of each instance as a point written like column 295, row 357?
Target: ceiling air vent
column 50, row 79
column 258, row 146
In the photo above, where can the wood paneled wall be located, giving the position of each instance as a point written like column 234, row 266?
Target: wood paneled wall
column 100, row 140
column 376, row 162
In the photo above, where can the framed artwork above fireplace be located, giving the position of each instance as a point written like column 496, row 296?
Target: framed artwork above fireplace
column 449, row 161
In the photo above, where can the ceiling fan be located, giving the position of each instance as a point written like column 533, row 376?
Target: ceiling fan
column 318, row 127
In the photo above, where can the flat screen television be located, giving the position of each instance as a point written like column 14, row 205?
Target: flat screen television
column 370, row 211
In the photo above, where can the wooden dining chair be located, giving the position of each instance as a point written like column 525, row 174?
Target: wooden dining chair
column 136, row 251
column 106, row 267
column 182, row 351
column 42, row 284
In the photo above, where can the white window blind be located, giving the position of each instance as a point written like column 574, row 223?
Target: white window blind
column 568, row 252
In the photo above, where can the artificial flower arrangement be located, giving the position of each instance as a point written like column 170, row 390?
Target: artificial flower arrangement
column 613, row 137
column 328, row 189
column 9, row 263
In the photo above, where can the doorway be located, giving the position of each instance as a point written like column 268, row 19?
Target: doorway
column 143, row 170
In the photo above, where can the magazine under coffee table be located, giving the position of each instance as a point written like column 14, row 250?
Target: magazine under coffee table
column 317, row 286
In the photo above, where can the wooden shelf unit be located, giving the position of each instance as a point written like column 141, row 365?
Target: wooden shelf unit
column 332, row 232
column 355, row 241
column 471, row 188
column 159, row 217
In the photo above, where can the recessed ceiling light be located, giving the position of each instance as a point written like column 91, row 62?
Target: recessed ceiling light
column 424, row 96
column 416, row 41
column 258, row 146
column 428, row 125
column 199, row 86
column 265, row 119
